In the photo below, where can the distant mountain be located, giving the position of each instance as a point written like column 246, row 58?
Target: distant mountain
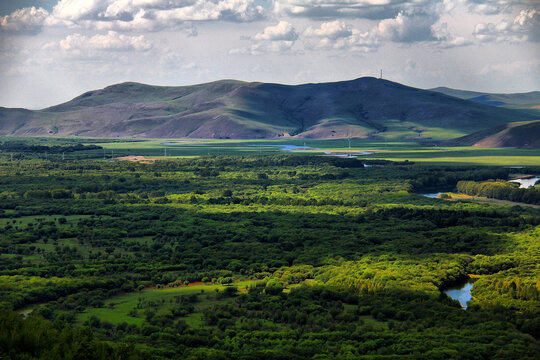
column 528, row 100
column 518, row 134
column 361, row 108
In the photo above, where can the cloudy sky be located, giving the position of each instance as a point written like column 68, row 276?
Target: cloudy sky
column 53, row 50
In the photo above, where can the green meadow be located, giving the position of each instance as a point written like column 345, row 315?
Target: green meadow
column 387, row 150
column 117, row 309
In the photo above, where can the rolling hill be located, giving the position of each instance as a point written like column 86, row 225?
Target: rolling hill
column 528, row 100
column 519, row 135
column 361, row 108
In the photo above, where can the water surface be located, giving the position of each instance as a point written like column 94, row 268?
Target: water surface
column 461, row 293
column 433, row 195
column 526, row 183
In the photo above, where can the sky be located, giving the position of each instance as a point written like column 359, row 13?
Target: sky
column 54, row 50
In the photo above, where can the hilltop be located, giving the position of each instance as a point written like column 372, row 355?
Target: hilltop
column 361, row 108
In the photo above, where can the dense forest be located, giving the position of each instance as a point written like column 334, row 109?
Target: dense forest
column 263, row 257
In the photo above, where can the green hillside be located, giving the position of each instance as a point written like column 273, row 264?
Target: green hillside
column 361, row 108
column 528, row 100
column 521, row 135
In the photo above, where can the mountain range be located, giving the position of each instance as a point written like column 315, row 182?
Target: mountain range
column 360, row 108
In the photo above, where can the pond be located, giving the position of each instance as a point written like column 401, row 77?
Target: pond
column 461, row 293
column 526, row 182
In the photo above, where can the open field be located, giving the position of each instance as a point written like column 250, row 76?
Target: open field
column 117, row 309
column 395, row 151
column 155, row 149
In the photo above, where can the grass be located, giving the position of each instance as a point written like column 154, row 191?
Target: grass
column 395, row 151
column 116, row 309
column 386, row 148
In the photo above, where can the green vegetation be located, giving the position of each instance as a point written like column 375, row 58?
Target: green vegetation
column 284, row 256
column 501, row 190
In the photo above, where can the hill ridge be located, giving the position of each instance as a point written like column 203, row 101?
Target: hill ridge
column 364, row 107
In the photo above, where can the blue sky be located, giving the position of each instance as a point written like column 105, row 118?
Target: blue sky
column 51, row 51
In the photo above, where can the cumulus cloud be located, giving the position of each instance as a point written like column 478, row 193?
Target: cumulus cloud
column 494, row 7
column 279, row 38
column 112, row 41
column 524, row 27
column 338, row 35
column 152, row 14
column 326, row 9
column 331, row 30
column 282, row 31
column 24, row 21
column 408, row 29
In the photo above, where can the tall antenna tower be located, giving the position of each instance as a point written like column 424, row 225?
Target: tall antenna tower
column 381, row 74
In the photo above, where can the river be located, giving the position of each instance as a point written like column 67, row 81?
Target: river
column 526, row 183
column 433, row 195
column 461, row 293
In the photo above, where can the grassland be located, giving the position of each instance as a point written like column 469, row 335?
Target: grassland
column 117, row 309
column 385, row 149
column 395, row 151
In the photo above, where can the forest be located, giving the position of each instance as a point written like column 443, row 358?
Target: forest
column 264, row 257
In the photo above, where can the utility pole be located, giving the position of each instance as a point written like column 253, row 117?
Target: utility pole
column 11, row 157
column 104, row 154
column 63, row 157
column 165, row 152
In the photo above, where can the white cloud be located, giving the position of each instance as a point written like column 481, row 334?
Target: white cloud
column 404, row 28
column 524, row 27
column 264, row 47
column 152, row 14
column 279, row 38
column 112, row 41
column 24, row 21
column 327, row 9
column 331, row 30
column 495, row 7
column 283, row 31
column 338, row 35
